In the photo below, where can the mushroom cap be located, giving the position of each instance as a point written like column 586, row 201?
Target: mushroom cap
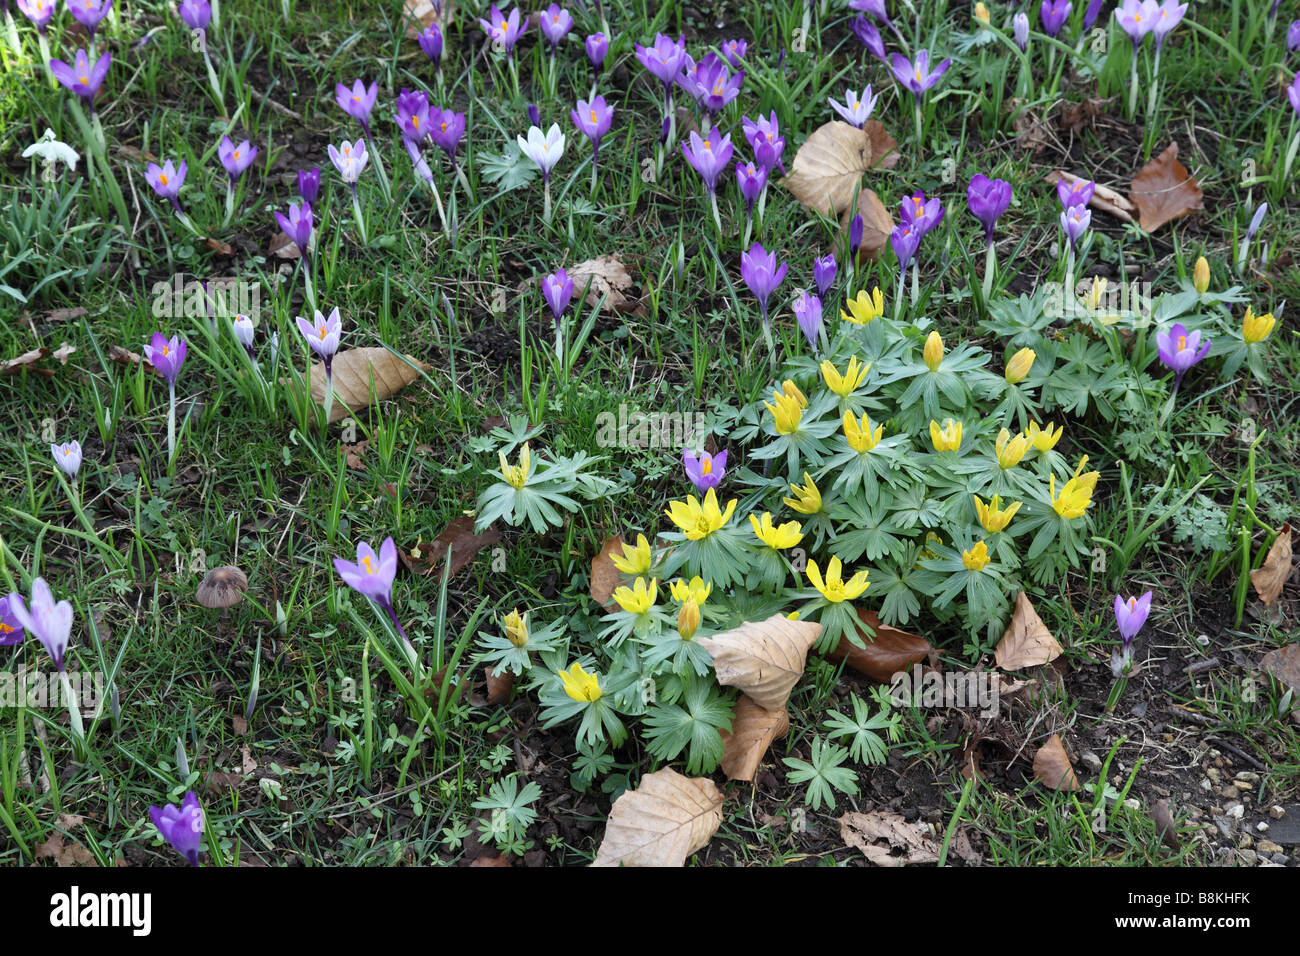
column 222, row 587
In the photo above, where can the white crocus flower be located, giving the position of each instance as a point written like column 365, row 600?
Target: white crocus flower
column 544, row 150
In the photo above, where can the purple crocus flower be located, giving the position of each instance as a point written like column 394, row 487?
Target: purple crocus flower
column 1090, row 15
column 90, row 13
column 1075, row 222
column 236, row 159
column 1053, row 14
column 323, row 335
column 555, row 24
column 557, row 289
column 1138, row 18
column 664, row 60
column 761, row 274
column 706, row 471
column 534, row 115
column 733, row 51
column 597, row 45
column 309, row 183
column 349, row 160
column 372, row 575
column 824, row 273
column 870, row 37
column 1179, row 350
column 11, row 629
column 1130, row 615
column 413, row 115
column 38, row 11
column 502, row 29
column 50, row 623
column 921, row 213
column 988, row 200
column 1257, row 219
column 1020, row 30
column 166, row 355
column 1168, row 17
column 752, row 180
column 715, row 85
column 856, row 108
column 808, row 311
column 68, row 457
column 905, row 240
column 82, row 77
column 917, row 75
column 708, row 156
column 166, row 181
column 181, row 826
column 297, row 225
column 430, row 40
column 195, row 14
column 872, row 8
column 1073, row 193
column 242, row 328
column 1293, row 36
column 765, row 139
column 447, row 129
column 357, row 102
column 594, row 120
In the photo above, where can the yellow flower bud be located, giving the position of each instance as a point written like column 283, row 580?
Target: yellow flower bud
column 688, row 620
column 860, row 436
column 1044, row 439
column 1020, row 365
column 1010, row 450
column 976, row 558
column 1201, row 275
column 981, row 14
column 933, row 353
column 516, row 628
column 947, row 438
column 1256, row 328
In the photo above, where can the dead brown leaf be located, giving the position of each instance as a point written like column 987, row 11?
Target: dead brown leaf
column 829, row 166
column 765, row 659
column 66, row 315
column 1165, row 825
column 604, row 576
column 1026, row 642
column 354, row 369
column 239, row 725
column 877, row 224
column 355, row 454
column 65, row 852
column 1163, row 190
column 218, row 247
column 1271, row 576
column 1283, row 663
column 499, row 687
column 282, row 247
column 752, row 731
column 28, row 360
column 662, row 822
column 1052, row 767
column 1027, row 126
column 1078, row 116
column 879, row 833
column 610, row 278
column 488, row 860
column 459, row 535
column 890, row 651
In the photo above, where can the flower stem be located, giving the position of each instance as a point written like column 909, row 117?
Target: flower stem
column 1116, row 692
column 546, row 201
column 74, row 716
column 990, row 266
column 171, row 426
column 361, row 219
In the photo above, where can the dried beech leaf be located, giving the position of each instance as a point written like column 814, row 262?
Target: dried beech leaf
column 752, row 731
column 829, row 166
column 69, row 853
column 662, row 822
column 419, row 15
column 1027, row 642
column 604, row 576
column 1283, row 663
column 28, row 360
column 1271, row 576
column 877, row 224
column 890, row 651
column 610, row 278
column 499, row 686
column 1052, row 766
column 880, row 833
column 884, row 148
column 1164, row 190
column 282, row 247
column 459, row 536
column 765, row 659
column 353, row 370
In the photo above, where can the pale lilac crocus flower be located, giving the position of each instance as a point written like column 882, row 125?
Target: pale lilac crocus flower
column 68, row 457
column 856, row 108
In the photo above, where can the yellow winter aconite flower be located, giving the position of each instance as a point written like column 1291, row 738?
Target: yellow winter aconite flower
column 864, row 308
column 580, row 685
column 1076, row 494
column 860, row 436
column 639, row 598
column 1044, row 439
column 993, row 517
column 1010, row 450
column 688, row 620
column 1256, row 328
column 981, row 13
column 835, row 589
column 778, row 537
column 947, row 438
column 696, row 590
column 1201, row 275
column 1019, row 366
column 843, row 385
column 791, row 390
column 976, row 558
column 516, row 628
column 933, row 351
column 807, row 499
column 699, row 520
column 1096, row 292
column 634, row 560
column 785, row 413
column 516, row 475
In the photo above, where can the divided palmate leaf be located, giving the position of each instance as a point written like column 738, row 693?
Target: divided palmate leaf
column 353, row 370
column 1026, row 642
column 662, row 822
column 765, row 659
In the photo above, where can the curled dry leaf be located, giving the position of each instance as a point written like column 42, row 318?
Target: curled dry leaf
column 499, row 686
column 1271, row 576
column 765, row 659
column 459, row 536
column 604, row 576
column 282, row 247
column 662, row 822
column 890, row 651
column 828, row 167
column 877, row 224
column 1283, row 663
column 1165, row 824
column 752, row 731
column 610, row 278
column 353, row 371
column 28, row 360
column 1027, row 642
column 1164, row 190
column 65, row 853
column 880, row 833
column 1052, row 767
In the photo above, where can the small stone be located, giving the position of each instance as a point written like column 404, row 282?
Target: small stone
column 1248, row 775
column 1091, row 761
column 1214, row 775
column 1236, row 811
column 1246, row 840
column 1269, row 847
column 1133, row 803
column 1206, row 785
column 1248, row 857
column 1276, row 812
column 1280, row 859
column 1261, row 826
column 1225, row 825
column 1243, row 784
column 1230, row 792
